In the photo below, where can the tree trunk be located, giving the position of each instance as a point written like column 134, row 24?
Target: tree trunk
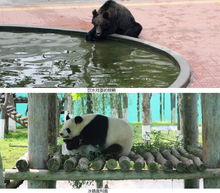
column 173, row 109
column 146, row 118
column 89, row 103
column 112, row 103
column 211, row 135
column 189, row 127
column 59, row 109
column 179, row 130
column 38, row 121
column 12, row 123
column 103, row 103
column 119, row 105
column 164, row 110
column 68, row 107
column 161, row 107
column 138, row 107
column 52, row 123
column 52, row 128
column 82, row 105
column 4, row 117
column 125, row 107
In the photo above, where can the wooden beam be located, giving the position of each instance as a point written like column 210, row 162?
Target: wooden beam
column 35, row 174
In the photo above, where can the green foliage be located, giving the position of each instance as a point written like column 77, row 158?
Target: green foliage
column 79, row 183
column 163, row 139
column 77, row 96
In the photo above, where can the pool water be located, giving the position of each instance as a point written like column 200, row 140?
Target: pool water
column 56, row 60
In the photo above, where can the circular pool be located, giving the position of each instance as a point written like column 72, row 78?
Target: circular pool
column 52, row 57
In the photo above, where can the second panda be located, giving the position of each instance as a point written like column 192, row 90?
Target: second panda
column 111, row 135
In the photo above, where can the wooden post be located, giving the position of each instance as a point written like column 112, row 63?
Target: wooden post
column 70, row 164
column 211, row 135
column 111, row 164
column 2, row 184
column 152, row 165
column 54, row 163
column 22, row 164
column 98, row 164
column 83, row 164
column 189, row 127
column 38, row 135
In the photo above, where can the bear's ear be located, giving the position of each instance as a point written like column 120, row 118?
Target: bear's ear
column 105, row 15
column 94, row 13
column 78, row 119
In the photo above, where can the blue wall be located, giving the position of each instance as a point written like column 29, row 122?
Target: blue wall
column 132, row 107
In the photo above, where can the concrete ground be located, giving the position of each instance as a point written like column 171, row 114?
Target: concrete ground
column 127, row 184
column 191, row 28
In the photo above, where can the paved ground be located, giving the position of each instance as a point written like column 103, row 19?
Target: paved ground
column 191, row 28
column 127, row 184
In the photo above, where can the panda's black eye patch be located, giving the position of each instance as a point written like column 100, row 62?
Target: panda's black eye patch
column 68, row 130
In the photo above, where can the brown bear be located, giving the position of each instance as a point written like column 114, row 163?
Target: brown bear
column 113, row 18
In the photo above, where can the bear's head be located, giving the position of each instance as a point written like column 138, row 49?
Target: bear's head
column 102, row 23
column 72, row 128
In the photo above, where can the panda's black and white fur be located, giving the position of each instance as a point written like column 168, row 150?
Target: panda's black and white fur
column 111, row 135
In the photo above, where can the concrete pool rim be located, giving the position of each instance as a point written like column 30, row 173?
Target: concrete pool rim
column 183, row 79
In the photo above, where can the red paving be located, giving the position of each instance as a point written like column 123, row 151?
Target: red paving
column 191, row 28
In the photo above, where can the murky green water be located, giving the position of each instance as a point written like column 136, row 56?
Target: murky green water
column 54, row 60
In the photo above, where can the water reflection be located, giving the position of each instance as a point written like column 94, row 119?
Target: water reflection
column 54, row 60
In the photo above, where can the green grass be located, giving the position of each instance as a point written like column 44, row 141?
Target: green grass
column 11, row 154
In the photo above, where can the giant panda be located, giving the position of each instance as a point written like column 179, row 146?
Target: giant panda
column 111, row 135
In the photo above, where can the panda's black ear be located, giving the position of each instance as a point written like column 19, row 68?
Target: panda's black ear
column 67, row 117
column 94, row 13
column 78, row 119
